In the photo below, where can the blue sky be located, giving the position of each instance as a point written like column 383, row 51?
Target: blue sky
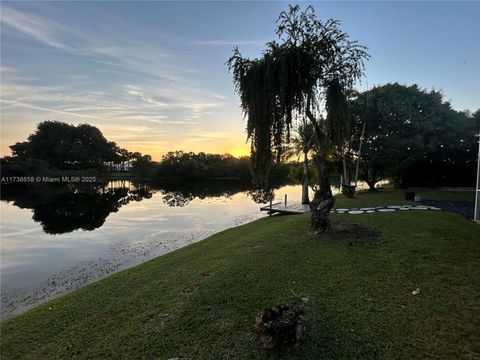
column 152, row 75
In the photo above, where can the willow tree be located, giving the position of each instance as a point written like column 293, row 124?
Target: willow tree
column 303, row 73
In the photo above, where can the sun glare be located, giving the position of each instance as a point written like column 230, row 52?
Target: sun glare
column 238, row 152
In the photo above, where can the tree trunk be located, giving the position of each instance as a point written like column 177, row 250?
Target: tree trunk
column 323, row 200
column 371, row 185
column 305, row 199
column 371, row 179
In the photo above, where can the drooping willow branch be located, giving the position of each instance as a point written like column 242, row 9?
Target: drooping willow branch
column 313, row 60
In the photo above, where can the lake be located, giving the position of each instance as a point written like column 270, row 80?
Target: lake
column 57, row 238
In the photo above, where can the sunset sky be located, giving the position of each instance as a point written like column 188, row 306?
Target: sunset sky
column 152, row 76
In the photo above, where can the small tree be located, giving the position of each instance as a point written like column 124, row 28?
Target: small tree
column 306, row 72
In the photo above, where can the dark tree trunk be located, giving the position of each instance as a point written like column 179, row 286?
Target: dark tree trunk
column 371, row 185
column 305, row 199
column 371, row 179
column 323, row 200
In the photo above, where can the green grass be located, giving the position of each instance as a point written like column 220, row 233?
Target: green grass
column 396, row 197
column 360, row 302
column 447, row 195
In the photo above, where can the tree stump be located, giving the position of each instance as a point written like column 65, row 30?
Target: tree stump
column 280, row 326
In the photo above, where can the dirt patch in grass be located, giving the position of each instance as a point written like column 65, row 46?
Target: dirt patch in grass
column 355, row 234
column 155, row 322
column 190, row 290
column 252, row 249
column 207, row 273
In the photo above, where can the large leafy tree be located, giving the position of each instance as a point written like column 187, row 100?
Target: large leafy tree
column 410, row 135
column 64, row 146
column 304, row 73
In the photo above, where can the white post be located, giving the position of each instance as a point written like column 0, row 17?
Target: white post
column 476, row 215
column 359, row 153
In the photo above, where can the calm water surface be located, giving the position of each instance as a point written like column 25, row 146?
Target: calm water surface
column 54, row 242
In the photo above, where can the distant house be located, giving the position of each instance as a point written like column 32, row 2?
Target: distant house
column 126, row 166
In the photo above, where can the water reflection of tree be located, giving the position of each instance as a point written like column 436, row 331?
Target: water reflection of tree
column 262, row 196
column 65, row 208
column 181, row 194
column 176, row 198
column 73, row 211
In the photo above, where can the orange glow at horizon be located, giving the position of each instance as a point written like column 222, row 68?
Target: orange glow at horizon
column 239, row 152
column 157, row 150
column 207, row 142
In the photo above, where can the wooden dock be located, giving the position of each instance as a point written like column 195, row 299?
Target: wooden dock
column 281, row 208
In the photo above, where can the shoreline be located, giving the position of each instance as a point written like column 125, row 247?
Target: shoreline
column 121, row 256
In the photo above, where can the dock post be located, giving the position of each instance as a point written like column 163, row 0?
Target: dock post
column 285, row 199
column 270, row 212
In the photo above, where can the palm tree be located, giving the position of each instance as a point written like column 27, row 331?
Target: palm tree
column 303, row 143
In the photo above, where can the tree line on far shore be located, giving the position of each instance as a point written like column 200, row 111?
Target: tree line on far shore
column 181, row 165
column 58, row 148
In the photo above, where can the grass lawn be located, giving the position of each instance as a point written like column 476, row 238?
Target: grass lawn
column 200, row 302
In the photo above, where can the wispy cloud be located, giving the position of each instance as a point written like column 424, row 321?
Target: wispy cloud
column 210, row 135
column 116, row 50
column 13, row 74
column 31, row 25
column 35, row 107
column 121, row 52
column 221, row 97
column 94, row 108
column 192, row 106
column 132, row 91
